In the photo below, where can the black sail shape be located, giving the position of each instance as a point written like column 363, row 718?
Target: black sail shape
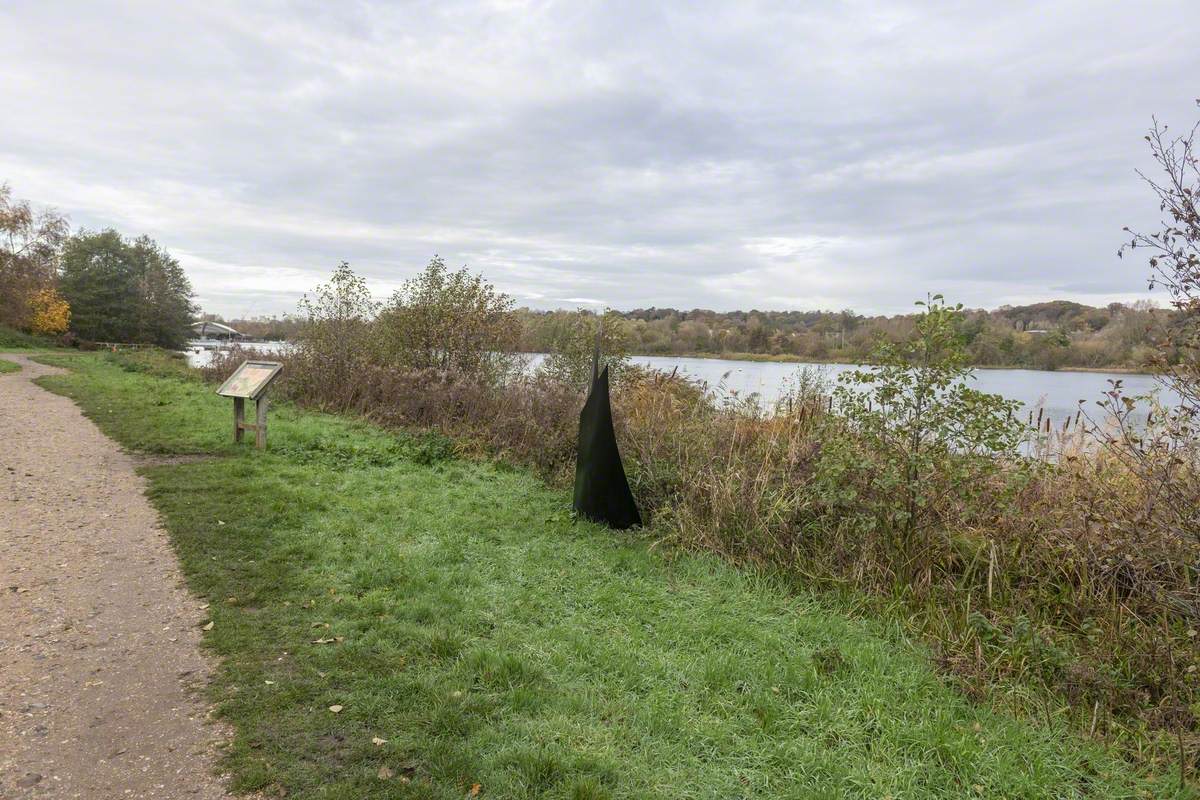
column 601, row 489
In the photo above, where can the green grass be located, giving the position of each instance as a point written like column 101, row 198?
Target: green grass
column 11, row 339
column 455, row 610
column 8, row 366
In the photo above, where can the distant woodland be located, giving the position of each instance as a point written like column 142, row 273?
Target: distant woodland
column 1053, row 335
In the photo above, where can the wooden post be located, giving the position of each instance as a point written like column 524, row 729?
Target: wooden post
column 239, row 418
column 260, row 423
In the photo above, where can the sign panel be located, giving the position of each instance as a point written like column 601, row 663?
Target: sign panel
column 250, row 379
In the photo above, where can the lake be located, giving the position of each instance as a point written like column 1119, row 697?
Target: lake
column 1058, row 393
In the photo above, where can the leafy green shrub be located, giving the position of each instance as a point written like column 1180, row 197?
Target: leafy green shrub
column 910, row 433
column 448, row 320
column 571, row 341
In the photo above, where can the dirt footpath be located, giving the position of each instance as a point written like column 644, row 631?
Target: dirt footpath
column 99, row 641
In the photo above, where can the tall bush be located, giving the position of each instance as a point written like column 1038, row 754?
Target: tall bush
column 334, row 344
column 449, row 320
column 911, row 432
column 571, row 340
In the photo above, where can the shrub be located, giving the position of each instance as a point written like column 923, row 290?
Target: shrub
column 50, row 313
column 571, row 339
column 334, row 345
column 449, row 320
column 911, row 434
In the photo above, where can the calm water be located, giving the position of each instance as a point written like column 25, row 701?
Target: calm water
column 1058, row 393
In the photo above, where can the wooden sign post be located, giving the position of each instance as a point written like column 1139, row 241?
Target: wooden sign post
column 250, row 382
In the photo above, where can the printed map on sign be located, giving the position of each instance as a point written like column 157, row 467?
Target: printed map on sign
column 250, row 379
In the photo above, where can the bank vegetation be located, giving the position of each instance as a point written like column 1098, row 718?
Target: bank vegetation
column 1053, row 571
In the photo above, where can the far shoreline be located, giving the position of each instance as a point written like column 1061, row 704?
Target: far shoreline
column 766, row 358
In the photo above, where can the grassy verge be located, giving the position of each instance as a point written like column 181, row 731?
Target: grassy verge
column 8, row 366
column 11, row 339
column 476, row 640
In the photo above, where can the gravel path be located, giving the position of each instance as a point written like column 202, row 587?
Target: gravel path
column 99, row 641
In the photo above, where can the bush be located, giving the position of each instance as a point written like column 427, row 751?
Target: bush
column 445, row 320
column 50, row 314
column 335, row 344
column 910, row 435
column 571, row 340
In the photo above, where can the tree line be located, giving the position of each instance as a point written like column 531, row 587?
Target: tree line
column 1052, row 335
column 90, row 286
column 1049, row 335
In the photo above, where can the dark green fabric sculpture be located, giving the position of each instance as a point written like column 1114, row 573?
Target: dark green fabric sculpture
column 601, row 490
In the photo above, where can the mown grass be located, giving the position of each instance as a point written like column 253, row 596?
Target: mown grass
column 455, row 611
column 8, row 366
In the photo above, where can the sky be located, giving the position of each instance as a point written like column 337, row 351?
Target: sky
column 730, row 155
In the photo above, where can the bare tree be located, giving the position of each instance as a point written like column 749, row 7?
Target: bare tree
column 1164, row 450
column 1175, row 256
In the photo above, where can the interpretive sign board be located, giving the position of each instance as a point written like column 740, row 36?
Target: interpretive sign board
column 250, row 382
column 250, row 379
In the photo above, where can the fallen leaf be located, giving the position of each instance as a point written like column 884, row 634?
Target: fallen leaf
column 323, row 674
column 385, row 772
column 270, row 683
column 336, row 709
column 475, row 787
column 209, row 626
column 377, row 741
column 322, row 640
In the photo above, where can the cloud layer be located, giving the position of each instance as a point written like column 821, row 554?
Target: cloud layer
column 723, row 155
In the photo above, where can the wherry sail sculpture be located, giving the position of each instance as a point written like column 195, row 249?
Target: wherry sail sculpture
column 601, row 490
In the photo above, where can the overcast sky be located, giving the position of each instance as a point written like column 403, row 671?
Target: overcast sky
column 689, row 154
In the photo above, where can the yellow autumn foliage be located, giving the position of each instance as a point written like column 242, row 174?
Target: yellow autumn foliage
column 50, row 313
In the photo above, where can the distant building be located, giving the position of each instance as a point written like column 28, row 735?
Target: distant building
column 214, row 330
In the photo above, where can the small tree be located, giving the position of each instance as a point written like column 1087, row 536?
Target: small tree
column 30, row 243
column 444, row 319
column 50, row 314
column 1162, row 447
column 1174, row 256
column 572, row 339
column 333, row 344
column 916, row 433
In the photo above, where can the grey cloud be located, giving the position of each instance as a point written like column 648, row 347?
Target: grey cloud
column 690, row 154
